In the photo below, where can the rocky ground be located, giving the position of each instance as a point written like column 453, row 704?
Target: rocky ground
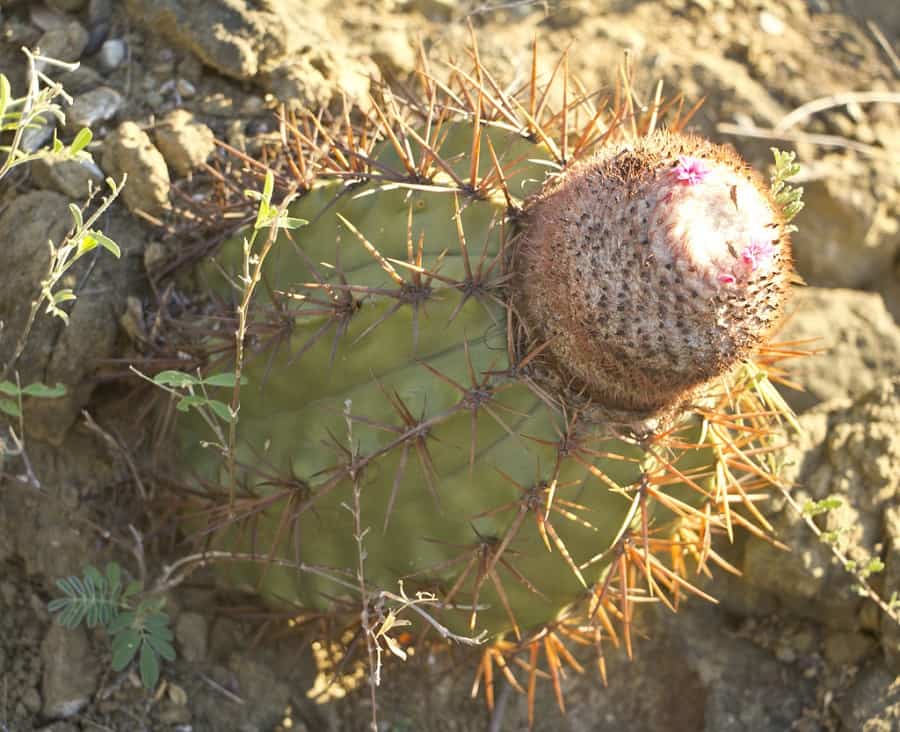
column 791, row 646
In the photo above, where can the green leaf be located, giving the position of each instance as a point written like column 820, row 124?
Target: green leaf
column 7, row 406
column 93, row 615
column 224, row 379
column 4, row 96
column 8, row 388
column 42, row 391
column 65, row 587
column 63, row 295
column 61, row 314
column 76, row 215
column 266, row 210
column 107, row 613
column 156, row 621
column 874, row 566
column 289, row 222
column 107, row 243
column 81, row 141
column 178, row 379
column 54, row 606
column 113, row 578
column 161, row 646
column 264, row 216
column 134, row 588
column 87, row 243
column 163, row 633
column 149, row 667
column 789, row 197
column 222, row 410
column 92, row 575
column 74, row 614
column 121, row 622
column 153, row 605
column 814, row 508
column 193, row 400
column 124, row 646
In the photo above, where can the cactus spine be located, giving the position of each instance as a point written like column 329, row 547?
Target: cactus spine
column 523, row 339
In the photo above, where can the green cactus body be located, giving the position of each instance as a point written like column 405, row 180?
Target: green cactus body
column 294, row 418
column 388, row 350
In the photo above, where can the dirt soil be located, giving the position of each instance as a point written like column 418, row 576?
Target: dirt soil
column 789, row 647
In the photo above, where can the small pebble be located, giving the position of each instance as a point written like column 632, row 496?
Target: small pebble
column 186, row 89
column 37, row 136
column 81, row 80
column 177, row 694
column 771, row 24
column 67, row 6
column 112, row 54
column 48, row 19
column 252, row 105
column 154, row 256
column 98, row 105
column 97, row 35
column 785, row 654
column 32, row 700
column 132, row 320
column 154, row 100
column 191, row 631
column 72, row 178
column 99, row 11
column 190, row 68
column 258, row 126
column 64, row 44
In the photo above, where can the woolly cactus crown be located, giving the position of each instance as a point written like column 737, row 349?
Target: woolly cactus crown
column 650, row 269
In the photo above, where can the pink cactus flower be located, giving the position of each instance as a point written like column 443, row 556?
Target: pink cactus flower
column 757, row 253
column 691, row 171
column 727, row 279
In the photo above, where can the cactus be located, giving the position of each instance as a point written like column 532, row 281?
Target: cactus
column 528, row 343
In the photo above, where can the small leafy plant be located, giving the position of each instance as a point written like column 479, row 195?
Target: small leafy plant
column 192, row 384
column 20, row 116
column 134, row 621
column 11, row 395
column 789, row 197
column 862, row 571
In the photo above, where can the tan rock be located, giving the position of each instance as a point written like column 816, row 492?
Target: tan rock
column 129, row 151
column 184, row 142
column 859, row 339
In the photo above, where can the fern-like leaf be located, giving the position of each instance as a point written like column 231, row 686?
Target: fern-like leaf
column 93, row 599
column 789, row 197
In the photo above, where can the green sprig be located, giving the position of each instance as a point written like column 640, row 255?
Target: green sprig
column 137, row 627
column 789, row 197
